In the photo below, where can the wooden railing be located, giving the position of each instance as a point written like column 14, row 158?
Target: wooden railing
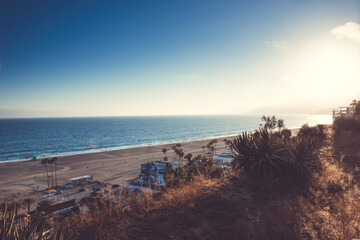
column 343, row 111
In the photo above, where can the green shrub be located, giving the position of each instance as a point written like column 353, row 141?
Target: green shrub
column 286, row 134
column 199, row 165
column 348, row 124
column 262, row 156
column 357, row 110
column 316, row 133
column 175, row 177
column 270, row 123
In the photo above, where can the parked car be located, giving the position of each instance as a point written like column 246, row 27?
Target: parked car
column 67, row 186
column 82, row 190
column 115, row 186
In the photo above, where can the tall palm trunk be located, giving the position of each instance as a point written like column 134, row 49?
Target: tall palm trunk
column 52, row 176
column 55, row 173
column 47, row 175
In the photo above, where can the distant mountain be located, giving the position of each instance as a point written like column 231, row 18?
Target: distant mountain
column 324, row 111
column 292, row 109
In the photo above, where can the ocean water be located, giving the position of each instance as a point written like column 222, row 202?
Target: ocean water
column 21, row 139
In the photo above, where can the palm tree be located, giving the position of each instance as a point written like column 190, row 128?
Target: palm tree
column 28, row 202
column 51, row 162
column 178, row 145
column 226, row 143
column 175, row 149
column 353, row 103
column 55, row 159
column 208, row 146
column 180, row 153
column 164, row 150
column 215, row 142
column 230, row 147
column 188, row 156
column 45, row 162
column 212, row 149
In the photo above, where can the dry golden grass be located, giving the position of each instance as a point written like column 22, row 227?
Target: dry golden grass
column 232, row 208
column 206, row 209
column 143, row 216
column 332, row 208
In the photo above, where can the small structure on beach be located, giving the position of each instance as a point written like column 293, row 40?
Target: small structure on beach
column 223, row 158
column 80, row 180
column 153, row 173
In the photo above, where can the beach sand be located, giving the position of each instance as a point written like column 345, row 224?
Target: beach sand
column 116, row 167
column 19, row 180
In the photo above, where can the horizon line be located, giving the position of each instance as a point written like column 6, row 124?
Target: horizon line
column 175, row 115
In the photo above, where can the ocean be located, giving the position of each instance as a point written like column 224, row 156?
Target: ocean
column 22, row 139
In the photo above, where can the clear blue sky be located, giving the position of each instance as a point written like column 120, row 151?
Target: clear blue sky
column 111, row 58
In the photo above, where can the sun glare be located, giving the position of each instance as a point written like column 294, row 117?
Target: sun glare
column 330, row 66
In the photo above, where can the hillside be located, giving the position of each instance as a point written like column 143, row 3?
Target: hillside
column 235, row 208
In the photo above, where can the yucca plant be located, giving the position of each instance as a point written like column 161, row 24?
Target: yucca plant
column 261, row 155
column 27, row 228
column 243, row 147
column 303, row 158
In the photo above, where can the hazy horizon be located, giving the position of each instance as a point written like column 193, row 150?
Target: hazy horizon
column 182, row 115
column 161, row 58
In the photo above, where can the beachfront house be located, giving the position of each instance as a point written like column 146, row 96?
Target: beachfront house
column 223, row 158
column 347, row 112
column 80, row 180
column 153, row 173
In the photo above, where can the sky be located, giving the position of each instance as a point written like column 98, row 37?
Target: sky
column 134, row 58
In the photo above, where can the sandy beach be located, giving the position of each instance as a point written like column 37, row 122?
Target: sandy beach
column 19, row 180
column 23, row 179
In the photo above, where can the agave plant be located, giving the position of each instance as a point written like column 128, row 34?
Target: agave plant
column 261, row 155
column 243, row 147
column 303, row 158
column 26, row 228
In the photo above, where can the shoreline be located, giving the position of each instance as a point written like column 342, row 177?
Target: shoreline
column 113, row 149
column 134, row 147
column 24, row 179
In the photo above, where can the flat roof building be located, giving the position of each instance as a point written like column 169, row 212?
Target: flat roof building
column 80, row 180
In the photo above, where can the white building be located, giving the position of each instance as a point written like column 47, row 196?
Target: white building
column 152, row 173
column 80, row 180
column 223, row 158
